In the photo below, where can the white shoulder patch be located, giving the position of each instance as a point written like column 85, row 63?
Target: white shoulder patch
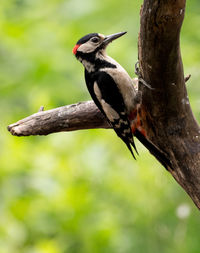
column 109, row 111
column 97, row 91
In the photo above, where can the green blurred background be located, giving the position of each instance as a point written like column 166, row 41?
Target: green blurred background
column 82, row 191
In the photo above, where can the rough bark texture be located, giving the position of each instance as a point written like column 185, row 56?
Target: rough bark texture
column 84, row 115
column 166, row 112
column 168, row 118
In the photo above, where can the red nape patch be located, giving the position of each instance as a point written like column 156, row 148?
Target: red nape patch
column 75, row 49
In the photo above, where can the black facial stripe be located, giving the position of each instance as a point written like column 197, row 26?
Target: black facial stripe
column 98, row 63
column 86, row 38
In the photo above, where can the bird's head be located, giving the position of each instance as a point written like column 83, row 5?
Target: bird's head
column 92, row 43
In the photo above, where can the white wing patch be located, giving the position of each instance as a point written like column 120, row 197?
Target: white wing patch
column 97, row 91
column 109, row 111
column 123, row 81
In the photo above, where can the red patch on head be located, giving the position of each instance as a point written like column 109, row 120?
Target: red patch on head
column 75, row 49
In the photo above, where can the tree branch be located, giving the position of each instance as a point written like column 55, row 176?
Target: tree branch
column 84, row 115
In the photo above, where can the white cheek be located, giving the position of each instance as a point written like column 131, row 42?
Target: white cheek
column 86, row 47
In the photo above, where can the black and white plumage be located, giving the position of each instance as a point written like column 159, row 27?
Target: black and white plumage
column 109, row 84
column 113, row 91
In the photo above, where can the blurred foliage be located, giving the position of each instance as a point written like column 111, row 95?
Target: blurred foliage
column 72, row 192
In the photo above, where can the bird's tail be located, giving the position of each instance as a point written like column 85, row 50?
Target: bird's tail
column 130, row 148
column 160, row 156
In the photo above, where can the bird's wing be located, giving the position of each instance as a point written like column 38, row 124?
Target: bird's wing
column 108, row 98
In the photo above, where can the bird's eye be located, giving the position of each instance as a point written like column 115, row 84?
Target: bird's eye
column 95, row 39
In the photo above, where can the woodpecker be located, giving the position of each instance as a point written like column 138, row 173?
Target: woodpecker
column 111, row 88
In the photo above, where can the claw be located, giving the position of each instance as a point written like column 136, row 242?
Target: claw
column 145, row 83
column 137, row 69
column 140, row 79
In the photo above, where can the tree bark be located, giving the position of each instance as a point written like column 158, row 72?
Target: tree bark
column 83, row 115
column 166, row 113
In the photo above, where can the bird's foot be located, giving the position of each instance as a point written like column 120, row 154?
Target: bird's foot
column 140, row 79
column 137, row 69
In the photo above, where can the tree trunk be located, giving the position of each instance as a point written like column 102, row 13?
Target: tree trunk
column 166, row 111
column 168, row 118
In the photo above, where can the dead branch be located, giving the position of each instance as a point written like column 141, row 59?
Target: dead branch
column 84, row 115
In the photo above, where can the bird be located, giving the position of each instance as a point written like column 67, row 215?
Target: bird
column 112, row 90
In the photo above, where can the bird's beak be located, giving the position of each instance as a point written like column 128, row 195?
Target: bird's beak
column 111, row 37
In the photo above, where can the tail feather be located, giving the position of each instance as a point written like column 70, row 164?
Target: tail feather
column 133, row 145
column 129, row 147
column 153, row 149
column 126, row 137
